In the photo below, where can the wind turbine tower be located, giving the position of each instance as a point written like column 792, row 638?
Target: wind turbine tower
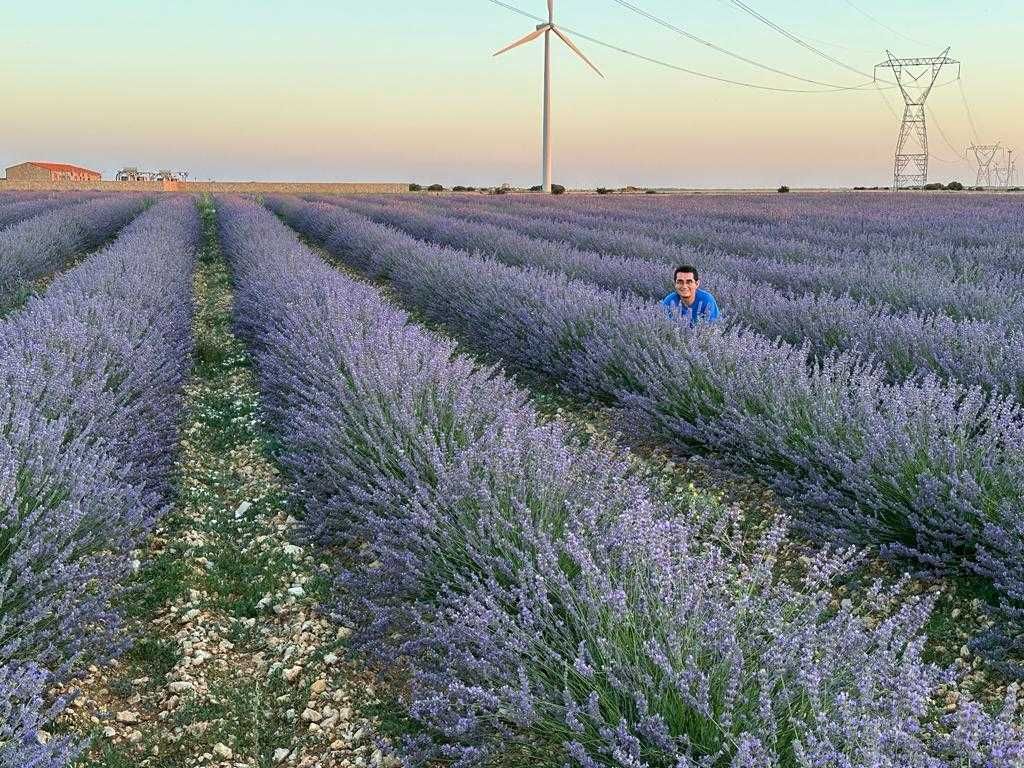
column 546, row 30
column 915, row 78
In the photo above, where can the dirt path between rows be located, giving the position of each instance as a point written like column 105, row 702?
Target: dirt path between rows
column 232, row 665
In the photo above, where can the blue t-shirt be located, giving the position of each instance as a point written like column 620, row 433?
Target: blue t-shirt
column 704, row 307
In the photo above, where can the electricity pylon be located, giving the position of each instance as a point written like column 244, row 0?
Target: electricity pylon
column 984, row 156
column 915, row 78
column 1007, row 174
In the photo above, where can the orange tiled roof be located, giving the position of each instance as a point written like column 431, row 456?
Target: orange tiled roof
column 62, row 167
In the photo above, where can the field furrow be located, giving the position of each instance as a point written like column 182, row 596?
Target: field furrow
column 232, row 663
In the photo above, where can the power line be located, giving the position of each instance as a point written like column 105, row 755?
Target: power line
column 720, row 49
column 829, row 43
column 676, row 67
column 840, row 46
column 883, row 25
column 796, row 39
column 942, row 133
column 892, row 110
column 967, row 109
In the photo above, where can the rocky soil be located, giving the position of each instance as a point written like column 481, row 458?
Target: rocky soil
column 233, row 665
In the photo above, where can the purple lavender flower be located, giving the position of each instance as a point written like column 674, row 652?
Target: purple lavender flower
column 90, row 393
column 542, row 599
column 43, row 243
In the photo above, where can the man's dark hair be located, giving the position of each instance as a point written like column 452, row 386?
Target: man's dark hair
column 686, row 268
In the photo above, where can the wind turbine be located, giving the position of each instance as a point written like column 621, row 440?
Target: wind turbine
column 546, row 30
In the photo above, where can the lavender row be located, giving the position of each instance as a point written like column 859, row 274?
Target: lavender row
column 931, row 279
column 543, row 600
column 808, row 240
column 91, row 378
column 979, row 229
column 7, row 198
column 970, row 351
column 932, row 471
column 42, row 244
column 20, row 211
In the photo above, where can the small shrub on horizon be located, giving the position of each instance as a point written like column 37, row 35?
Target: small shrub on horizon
column 415, row 188
column 783, row 189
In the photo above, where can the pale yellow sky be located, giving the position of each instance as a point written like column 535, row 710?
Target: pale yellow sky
column 409, row 91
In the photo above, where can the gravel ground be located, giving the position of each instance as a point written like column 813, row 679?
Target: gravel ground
column 233, row 664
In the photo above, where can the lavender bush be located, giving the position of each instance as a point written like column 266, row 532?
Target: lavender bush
column 981, row 231
column 90, row 391
column 19, row 211
column 23, row 715
column 963, row 274
column 907, row 344
column 9, row 198
column 42, row 244
column 545, row 603
column 923, row 469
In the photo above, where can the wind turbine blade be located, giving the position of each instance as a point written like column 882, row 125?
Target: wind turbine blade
column 576, row 50
column 523, row 40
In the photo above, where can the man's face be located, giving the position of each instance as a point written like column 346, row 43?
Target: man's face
column 686, row 287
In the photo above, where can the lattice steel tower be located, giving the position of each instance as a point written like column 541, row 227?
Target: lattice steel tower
column 915, row 78
column 985, row 155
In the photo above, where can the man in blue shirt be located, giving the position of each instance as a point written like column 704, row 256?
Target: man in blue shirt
column 688, row 300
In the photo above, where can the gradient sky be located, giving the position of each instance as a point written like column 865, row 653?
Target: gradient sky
column 326, row 90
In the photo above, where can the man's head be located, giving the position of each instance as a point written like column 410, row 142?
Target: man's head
column 686, row 282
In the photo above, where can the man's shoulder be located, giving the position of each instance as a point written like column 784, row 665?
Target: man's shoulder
column 704, row 296
column 672, row 298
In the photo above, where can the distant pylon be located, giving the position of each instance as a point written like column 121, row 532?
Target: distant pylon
column 915, row 78
column 984, row 156
column 1006, row 175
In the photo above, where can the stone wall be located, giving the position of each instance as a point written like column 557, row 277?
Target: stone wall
column 237, row 187
column 23, row 172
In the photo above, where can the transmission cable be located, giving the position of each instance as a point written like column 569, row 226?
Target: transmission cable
column 882, row 24
column 727, row 52
column 676, row 67
column 885, row 99
column 798, row 40
column 967, row 109
column 829, row 43
column 938, row 126
column 841, row 46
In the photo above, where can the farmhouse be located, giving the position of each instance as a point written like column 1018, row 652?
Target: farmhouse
column 33, row 171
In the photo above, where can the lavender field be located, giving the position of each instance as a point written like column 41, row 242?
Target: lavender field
column 282, row 483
